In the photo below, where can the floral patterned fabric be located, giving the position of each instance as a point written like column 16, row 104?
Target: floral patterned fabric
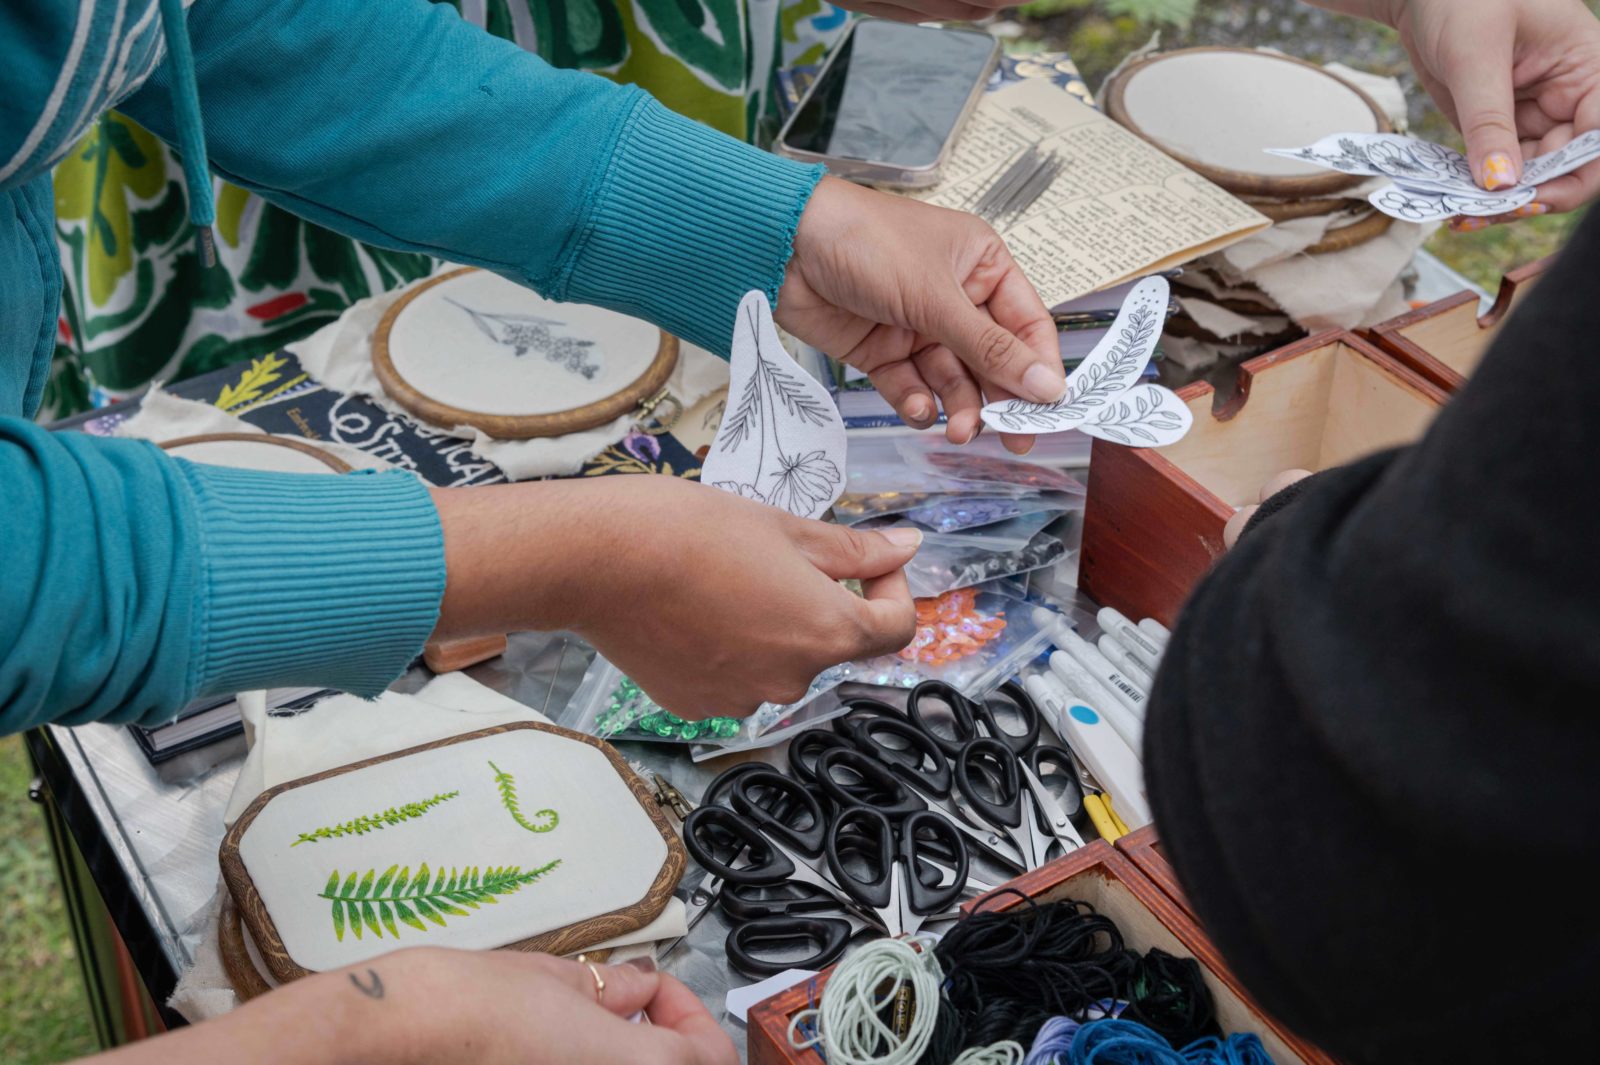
column 137, row 306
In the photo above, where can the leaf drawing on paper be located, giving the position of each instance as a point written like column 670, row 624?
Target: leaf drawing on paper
column 374, row 902
column 523, row 333
column 360, row 826
column 508, row 798
column 775, row 403
column 1140, row 417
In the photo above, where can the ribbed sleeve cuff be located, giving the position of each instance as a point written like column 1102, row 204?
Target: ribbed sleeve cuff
column 686, row 221
column 309, row 579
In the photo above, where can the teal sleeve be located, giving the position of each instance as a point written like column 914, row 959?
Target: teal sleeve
column 135, row 582
column 400, row 124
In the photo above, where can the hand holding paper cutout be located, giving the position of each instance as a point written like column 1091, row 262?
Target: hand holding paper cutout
column 925, row 301
column 1429, row 181
column 781, row 441
column 1104, row 397
column 1519, row 78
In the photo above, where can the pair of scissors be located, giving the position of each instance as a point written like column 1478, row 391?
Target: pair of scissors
column 896, row 853
column 772, row 923
column 780, row 831
column 1006, row 790
column 974, row 718
column 707, row 889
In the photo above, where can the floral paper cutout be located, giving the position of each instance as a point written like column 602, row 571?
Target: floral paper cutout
column 1103, row 396
column 1429, row 181
column 781, row 441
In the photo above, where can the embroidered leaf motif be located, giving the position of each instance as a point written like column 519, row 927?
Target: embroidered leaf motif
column 360, row 826
column 374, row 907
column 262, row 372
column 508, row 798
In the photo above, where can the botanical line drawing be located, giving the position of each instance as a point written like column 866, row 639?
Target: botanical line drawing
column 523, row 333
column 360, row 826
column 508, row 798
column 1101, row 379
column 374, row 902
column 795, row 480
column 1103, row 397
column 1137, row 416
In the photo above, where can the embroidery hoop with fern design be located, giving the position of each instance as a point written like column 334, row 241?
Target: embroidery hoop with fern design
column 631, row 397
column 262, row 931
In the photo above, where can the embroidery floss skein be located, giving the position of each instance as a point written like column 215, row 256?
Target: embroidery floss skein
column 851, row 1022
column 1011, row 971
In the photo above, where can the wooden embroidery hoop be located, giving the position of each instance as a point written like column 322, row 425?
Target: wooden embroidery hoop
column 1240, row 182
column 253, row 915
column 643, row 394
column 337, row 465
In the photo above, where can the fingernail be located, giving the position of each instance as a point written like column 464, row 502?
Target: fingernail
column 918, row 409
column 1041, row 384
column 902, row 537
column 1469, row 225
column 1498, row 172
column 1532, row 210
column 644, row 963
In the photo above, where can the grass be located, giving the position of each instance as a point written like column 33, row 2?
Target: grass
column 44, row 1014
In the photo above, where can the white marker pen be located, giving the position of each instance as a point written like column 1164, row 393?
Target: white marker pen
column 1122, row 687
column 1113, row 763
column 1118, row 656
column 1085, row 685
column 1156, row 631
column 1138, row 642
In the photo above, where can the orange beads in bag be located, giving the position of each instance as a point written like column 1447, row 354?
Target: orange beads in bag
column 950, row 627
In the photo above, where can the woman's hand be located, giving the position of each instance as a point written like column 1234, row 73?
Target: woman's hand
column 1519, row 78
column 712, row 603
column 432, row 1006
column 506, row 1008
column 925, row 301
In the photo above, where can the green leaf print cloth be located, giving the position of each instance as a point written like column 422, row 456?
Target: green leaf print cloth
column 136, row 304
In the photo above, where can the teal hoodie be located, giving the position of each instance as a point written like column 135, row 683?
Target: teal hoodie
column 131, row 582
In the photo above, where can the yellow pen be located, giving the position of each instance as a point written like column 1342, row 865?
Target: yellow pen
column 1100, row 814
column 1111, row 810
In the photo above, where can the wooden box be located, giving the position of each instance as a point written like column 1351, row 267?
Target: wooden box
column 1445, row 341
column 1154, row 516
column 1143, row 848
column 1101, row 876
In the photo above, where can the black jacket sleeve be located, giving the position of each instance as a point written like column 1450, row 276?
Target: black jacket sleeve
column 1373, row 750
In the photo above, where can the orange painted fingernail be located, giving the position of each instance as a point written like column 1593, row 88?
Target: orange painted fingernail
column 1469, row 225
column 1532, row 210
column 1498, row 172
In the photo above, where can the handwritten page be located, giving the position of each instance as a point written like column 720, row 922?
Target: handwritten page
column 1118, row 208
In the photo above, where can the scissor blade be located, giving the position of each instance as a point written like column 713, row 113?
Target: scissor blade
column 1051, row 813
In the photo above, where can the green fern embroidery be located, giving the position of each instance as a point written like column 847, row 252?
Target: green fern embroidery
column 360, row 826
column 374, row 902
column 508, row 798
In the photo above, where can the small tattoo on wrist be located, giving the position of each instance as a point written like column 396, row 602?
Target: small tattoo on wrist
column 374, row 990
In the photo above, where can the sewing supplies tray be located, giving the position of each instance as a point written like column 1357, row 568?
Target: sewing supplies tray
column 1153, row 519
column 1104, row 878
column 524, row 836
column 469, row 348
column 1444, row 341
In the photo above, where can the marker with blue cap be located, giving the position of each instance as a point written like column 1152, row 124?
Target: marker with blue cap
column 1092, row 739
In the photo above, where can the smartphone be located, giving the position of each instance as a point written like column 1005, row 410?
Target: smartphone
column 887, row 105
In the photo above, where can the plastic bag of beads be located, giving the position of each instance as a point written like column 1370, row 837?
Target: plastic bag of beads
column 972, row 639
column 962, row 511
column 609, row 705
column 980, row 469
column 946, row 562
